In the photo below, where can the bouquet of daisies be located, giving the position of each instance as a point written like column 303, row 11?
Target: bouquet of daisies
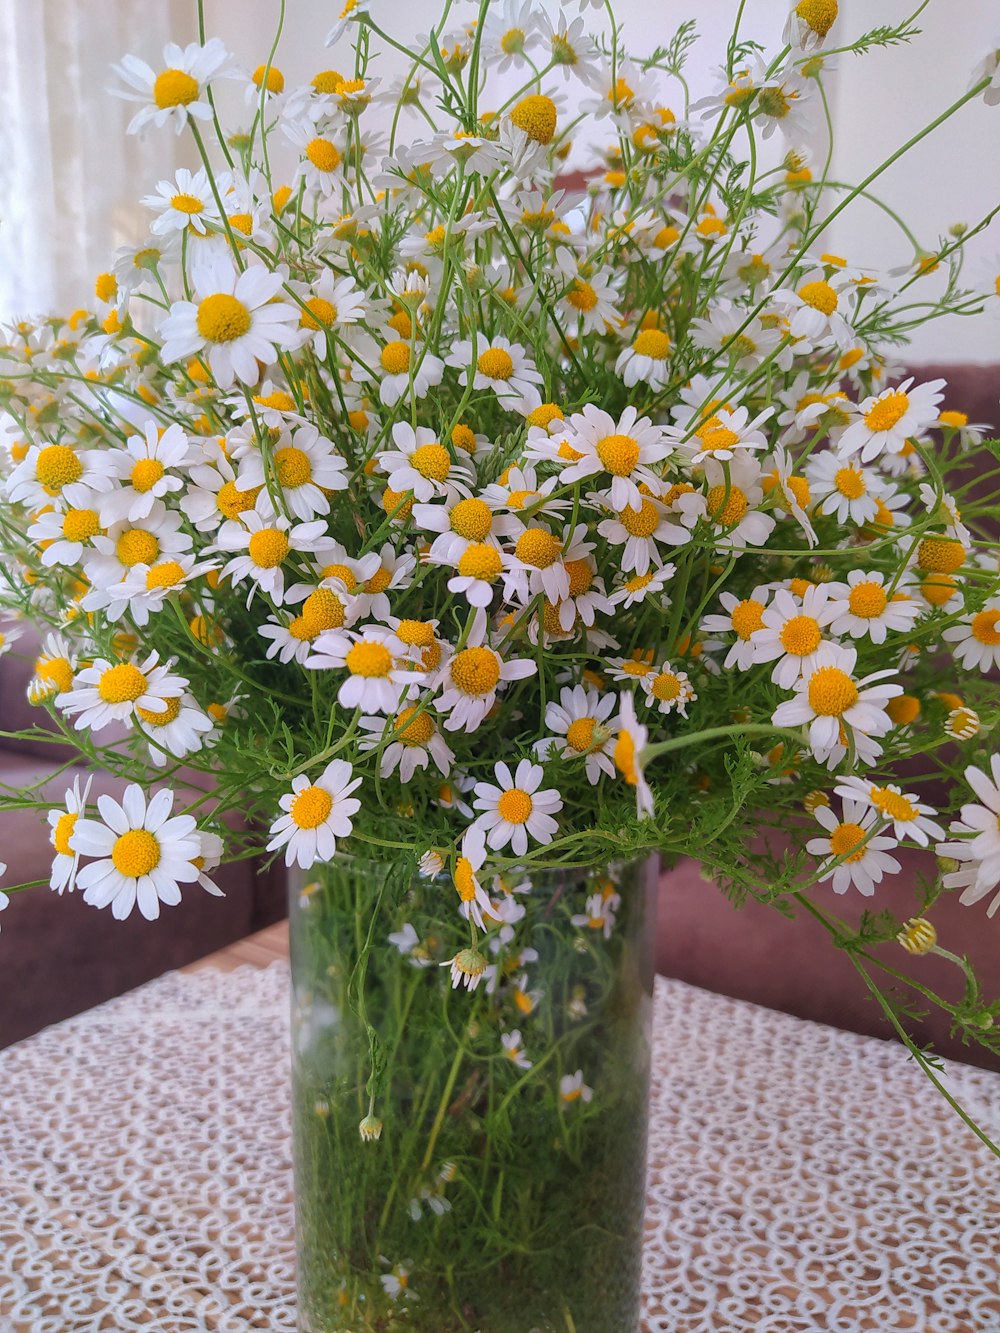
column 426, row 501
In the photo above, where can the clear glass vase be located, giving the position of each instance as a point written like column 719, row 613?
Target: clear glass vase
column 470, row 1158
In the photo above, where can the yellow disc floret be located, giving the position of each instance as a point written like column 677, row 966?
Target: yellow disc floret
column 515, row 806
column 167, row 574
column 941, row 555
column 322, row 610
column 372, row 660
column 618, row 453
column 161, row 719
column 641, row 523
column 120, row 684
column 844, row 840
column 395, row 358
column 471, row 519
column 536, row 116
column 495, row 364
column 538, row 547
column 431, row 461
column 413, row 730
column 56, row 466
column 652, row 343
column 79, row 525
column 135, row 853
column 173, row 87
column 867, row 600
column 887, row 412
column 480, row 561
column 293, row 467
column 820, row 295
column 984, row 627
column 137, row 546
column 831, row 692
column 145, row 474
column 475, row 671
column 323, row 154
column 62, row 833
column 311, row 807
column 268, row 548
column 747, row 617
column 222, row 318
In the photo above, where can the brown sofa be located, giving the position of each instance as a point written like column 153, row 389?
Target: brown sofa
column 59, row 956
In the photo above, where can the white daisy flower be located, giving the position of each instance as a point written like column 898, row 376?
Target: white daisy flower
column 891, row 417
column 145, row 468
column 179, row 730
column 517, row 809
column 513, row 1050
column 180, row 88
column 944, row 510
column 321, row 166
column 631, row 741
column 477, row 570
column 862, row 606
column 474, row 900
column 583, row 726
column 743, row 338
column 114, row 691
column 809, row 22
column 600, row 914
column 306, row 467
column 9, row 634
column 979, row 830
column 470, row 679
column 186, row 203
column 421, row 464
column 58, row 473
column 55, row 668
column 144, row 854
column 625, row 450
column 745, row 618
column 351, row 11
column 573, row 1090
column 967, row 878
column 539, row 562
column 723, row 433
column 411, row 739
column 126, row 546
column 735, row 492
column 316, row 815
column 409, row 945
column 792, row 632
column 863, row 866
column 62, row 822
column 64, row 534
column 831, row 700
column 267, row 541
column 842, row 487
column 909, row 818
column 976, row 639
column 642, row 586
column 376, row 662
column 793, row 491
column 238, row 322
column 499, row 365
column 461, row 521
column 519, row 487
column 815, row 309
column 145, row 588
column 393, row 571
column 668, row 689
column 589, row 302
column 331, row 302
column 510, row 31
column 407, row 371
column 467, row 968
column 646, row 360
column 989, row 68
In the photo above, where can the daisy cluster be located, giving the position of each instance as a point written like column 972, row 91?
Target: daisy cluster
column 435, row 501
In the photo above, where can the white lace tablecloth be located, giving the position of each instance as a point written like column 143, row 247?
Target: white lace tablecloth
column 803, row 1180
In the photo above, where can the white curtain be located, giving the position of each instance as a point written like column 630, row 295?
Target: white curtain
column 70, row 178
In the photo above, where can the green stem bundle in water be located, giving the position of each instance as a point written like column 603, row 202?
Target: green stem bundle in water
column 470, row 1160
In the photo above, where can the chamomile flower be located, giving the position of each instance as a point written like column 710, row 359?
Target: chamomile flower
column 59, row 473
column 410, row 739
column 722, row 434
column 626, row 450
column 473, row 898
column 265, row 541
column 460, row 521
column 143, row 855
column 64, row 534
column 467, row 968
column 321, row 158
column 791, row 633
column 62, row 823
column 542, row 561
column 54, row 671
column 600, row 914
column 179, row 89
column 976, row 639
column 106, row 692
column 888, row 419
column 376, row 664
column 238, row 323
column 978, row 829
column 330, row 303
column 668, row 690
column 863, row 607
column 989, row 68
column 573, row 1091
column 745, row 339
column 908, row 817
column 180, row 729
column 640, row 531
column 146, row 468
column 735, row 490
column 809, row 23
column 499, row 365
column 316, row 814
column 407, row 370
column 187, row 203
column 9, row 634
column 351, row 12
column 513, row 1049
column 865, row 863
column 829, row 698
column 408, row 943
column 420, row 463
column 841, row 486
column 646, row 360
column 627, row 755
column 517, row 809
column 589, row 302
column 304, row 464
column 145, row 588
column 582, row 726
column 639, row 587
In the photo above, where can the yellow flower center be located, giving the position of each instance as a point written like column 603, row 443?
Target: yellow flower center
column 187, row 203
column 953, row 420
column 169, row 714
column 942, row 555
column 512, row 41
column 415, row 732
column 636, row 668
column 726, row 512
column 515, row 806
column 666, row 237
column 299, row 628
column 518, row 499
column 652, row 343
column 56, row 466
column 57, row 670
column 272, row 77
column 323, row 154
column 904, row 709
column 475, row 671
column 146, row 473
column 137, row 546
column 850, row 482
column 106, row 287
column 322, row 610
column 135, row 853
column 747, row 617
column 62, row 833
column 820, row 295
column 581, row 576
column 471, row 519
column 241, row 222
column 639, row 582
column 322, row 314
column 495, row 364
column 618, row 453
column 831, row 692
column 465, row 879
column 581, row 296
column 580, row 734
column 844, row 839
column 642, row 523
column 222, row 318
column 172, row 87
column 416, row 633
column 867, row 600
column 820, row 15
column 799, row 488
column 232, row 502
column 666, row 687
column 79, row 525
column 480, row 561
column 538, row 547
column 120, row 684
column 624, row 757
column 536, row 116
column 268, row 548
column 984, row 627
column 379, row 581
column 372, row 660
column 719, row 437
column 395, row 358
column 800, row 636
column 311, row 807
column 167, row 574
column 893, row 804
column 293, row 467
column 431, row 461
column 327, row 81
column 463, row 437
column 887, row 412
column 279, row 401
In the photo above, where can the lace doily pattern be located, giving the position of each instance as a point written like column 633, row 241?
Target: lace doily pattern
column 803, row 1180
